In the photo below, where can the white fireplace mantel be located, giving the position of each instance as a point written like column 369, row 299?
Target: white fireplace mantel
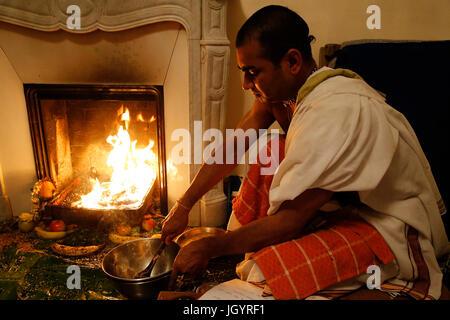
column 208, row 50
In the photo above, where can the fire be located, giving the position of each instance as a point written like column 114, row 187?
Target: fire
column 133, row 173
column 140, row 118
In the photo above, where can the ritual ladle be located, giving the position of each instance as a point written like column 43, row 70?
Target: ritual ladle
column 148, row 270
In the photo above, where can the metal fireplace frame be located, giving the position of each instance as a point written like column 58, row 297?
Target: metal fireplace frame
column 35, row 92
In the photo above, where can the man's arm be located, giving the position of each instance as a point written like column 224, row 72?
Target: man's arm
column 287, row 224
column 259, row 117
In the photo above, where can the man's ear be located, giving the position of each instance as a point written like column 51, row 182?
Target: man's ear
column 294, row 60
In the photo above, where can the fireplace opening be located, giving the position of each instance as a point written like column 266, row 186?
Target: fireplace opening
column 103, row 146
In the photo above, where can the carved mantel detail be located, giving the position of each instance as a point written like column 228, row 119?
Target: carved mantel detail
column 215, row 64
column 208, row 47
column 106, row 15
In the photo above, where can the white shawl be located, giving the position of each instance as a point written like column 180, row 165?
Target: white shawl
column 344, row 137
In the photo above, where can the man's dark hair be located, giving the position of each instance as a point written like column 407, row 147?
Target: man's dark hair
column 277, row 29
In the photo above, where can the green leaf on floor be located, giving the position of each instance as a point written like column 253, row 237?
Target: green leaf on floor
column 47, row 280
column 40, row 276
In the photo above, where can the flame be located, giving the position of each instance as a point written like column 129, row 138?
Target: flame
column 134, row 172
column 125, row 117
column 140, row 118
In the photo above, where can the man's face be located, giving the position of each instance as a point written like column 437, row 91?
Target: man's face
column 268, row 82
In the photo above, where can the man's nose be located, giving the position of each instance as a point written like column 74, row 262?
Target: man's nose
column 248, row 82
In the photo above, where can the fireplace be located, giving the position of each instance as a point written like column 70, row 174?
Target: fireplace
column 104, row 148
column 180, row 45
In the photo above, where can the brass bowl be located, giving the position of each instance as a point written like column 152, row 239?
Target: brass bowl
column 196, row 234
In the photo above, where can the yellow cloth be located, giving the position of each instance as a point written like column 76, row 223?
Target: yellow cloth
column 317, row 78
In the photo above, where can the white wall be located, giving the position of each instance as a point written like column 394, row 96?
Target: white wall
column 16, row 154
column 176, row 114
column 136, row 56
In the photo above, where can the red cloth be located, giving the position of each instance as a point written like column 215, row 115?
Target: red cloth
column 339, row 251
column 252, row 202
column 343, row 248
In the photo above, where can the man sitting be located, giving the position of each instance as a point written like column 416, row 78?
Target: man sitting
column 342, row 138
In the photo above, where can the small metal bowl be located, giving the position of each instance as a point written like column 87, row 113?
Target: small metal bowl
column 123, row 263
column 197, row 233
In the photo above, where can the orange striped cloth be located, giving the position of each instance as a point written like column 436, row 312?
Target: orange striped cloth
column 341, row 249
column 338, row 251
column 252, row 202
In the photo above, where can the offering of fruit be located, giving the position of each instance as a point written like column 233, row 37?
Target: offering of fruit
column 118, row 239
column 72, row 251
column 148, row 223
column 57, row 226
column 51, row 235
column 47, row 189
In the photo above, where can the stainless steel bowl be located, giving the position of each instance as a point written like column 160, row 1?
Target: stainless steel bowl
column 123, row 263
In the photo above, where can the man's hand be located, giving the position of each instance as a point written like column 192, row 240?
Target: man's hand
column 192, row 259
column 175, row 223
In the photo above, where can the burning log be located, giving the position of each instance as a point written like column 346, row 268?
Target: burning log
column 103, row 219
column 64, row 193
